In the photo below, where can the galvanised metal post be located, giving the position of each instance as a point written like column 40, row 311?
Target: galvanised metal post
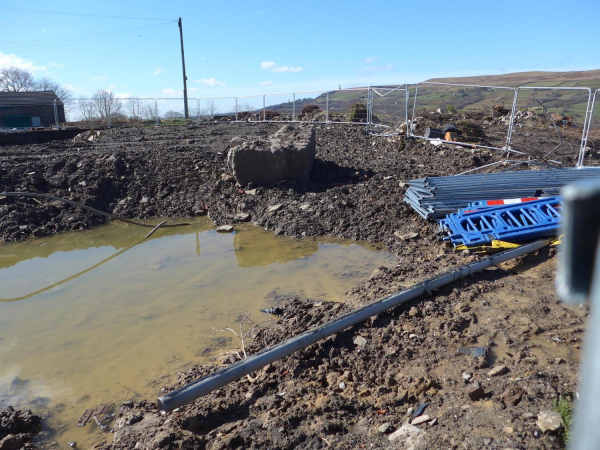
column 586, row 129
column 156, row 111
column 512, row 119
column 369, row 106
column 293, row 107
column 198, row 111
column 264, row 109
column 591, row 117
column 236, row 109
column 327, row 109
column 55, row 113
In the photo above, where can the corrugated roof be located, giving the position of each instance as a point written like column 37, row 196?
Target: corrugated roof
column 44, row 98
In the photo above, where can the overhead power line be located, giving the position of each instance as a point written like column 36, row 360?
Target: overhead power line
column 61, row 13
column 82, row 39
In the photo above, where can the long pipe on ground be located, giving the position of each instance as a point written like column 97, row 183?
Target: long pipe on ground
column 209, row 383
column 89, row 208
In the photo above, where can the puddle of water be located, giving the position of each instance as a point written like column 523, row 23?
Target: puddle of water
column 85, row 317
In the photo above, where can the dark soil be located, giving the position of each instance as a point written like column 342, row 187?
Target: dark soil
column 17, row 428
column 336, row 393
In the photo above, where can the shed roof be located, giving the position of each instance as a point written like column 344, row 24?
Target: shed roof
column 40, row 98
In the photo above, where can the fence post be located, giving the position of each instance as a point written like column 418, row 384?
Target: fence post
column 586, row 128
column 264, row 109
column 369, row 107
column 108, row 117
column 406, row 108
column 294, row 107
column 236, row 109
column 156, row 111
column 327, row 109
column 512, row 119
column 56, row 114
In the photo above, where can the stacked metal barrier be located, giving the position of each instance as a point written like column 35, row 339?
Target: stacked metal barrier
column 480, row 223
column 437, row 197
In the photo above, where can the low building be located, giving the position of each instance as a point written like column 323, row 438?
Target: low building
column 24, row 110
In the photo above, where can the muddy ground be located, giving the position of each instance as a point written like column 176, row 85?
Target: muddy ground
column 342, row 392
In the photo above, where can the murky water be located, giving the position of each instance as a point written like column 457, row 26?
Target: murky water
column 85, row 318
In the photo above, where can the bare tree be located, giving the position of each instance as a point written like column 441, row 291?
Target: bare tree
column 173, row 115
column 210, row 109
column 14, row 79
column 65, row 96
column 134, row 105
column 148, row 112
column 87, row 109
column 106, row 104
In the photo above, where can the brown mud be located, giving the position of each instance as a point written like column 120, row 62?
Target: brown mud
column 338, row 393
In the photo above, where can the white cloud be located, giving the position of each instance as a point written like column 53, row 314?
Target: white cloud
column 265, row 83
column 9, row 60
column 210, row 82
column 376, row 69
column 55, row 64
column 193, row 89
column 171, row 92
column 123, row 95
column 157, row 71
column 71, row 88
column 287, row 69
column 100, row 77
column 370, row 59
column 273, row 67
column 267, row 65
column 111, row 86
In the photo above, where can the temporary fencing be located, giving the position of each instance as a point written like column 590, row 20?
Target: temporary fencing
column 538, row 109
column 437, row 197
column 388, row 106
column 593, row 125
column 479, row 224
column 436, row 105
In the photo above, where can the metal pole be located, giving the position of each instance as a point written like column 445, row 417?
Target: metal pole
column 294, row 108
column 236, row 109
column 512, row 119
column 264, row 109
column 327, row 109
column 220, row 378
column 156, row 111
column 185, row 99
column 585, row 133
column 55, row 113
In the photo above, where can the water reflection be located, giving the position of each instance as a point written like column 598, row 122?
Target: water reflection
column 102, row 313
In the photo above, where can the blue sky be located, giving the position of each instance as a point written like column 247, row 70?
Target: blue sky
column 236, row 48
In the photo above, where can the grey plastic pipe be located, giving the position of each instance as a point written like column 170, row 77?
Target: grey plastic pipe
column 209, row 383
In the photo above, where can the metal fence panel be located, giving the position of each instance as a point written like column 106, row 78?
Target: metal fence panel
column 172, row 110
column 280, row 107
column 217, row 108
column 311, row 106
column 469, row 114
column 550, row 120
column 389, row 106
column 348, row 105
column 591, row 133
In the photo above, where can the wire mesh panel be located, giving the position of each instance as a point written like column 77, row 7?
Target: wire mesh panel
column 171, row 111
column 348, row 105
column 469, row 114
column 136, row 111
column 217, row 108
column 279, row 107
column 250, row 108
column 94, row 112
column 549, row 121
column 311, row 106
column 389, row 106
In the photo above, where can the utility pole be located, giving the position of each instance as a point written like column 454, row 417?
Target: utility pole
column 185, row 100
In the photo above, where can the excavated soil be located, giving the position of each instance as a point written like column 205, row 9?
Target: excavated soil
column 343, row 392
